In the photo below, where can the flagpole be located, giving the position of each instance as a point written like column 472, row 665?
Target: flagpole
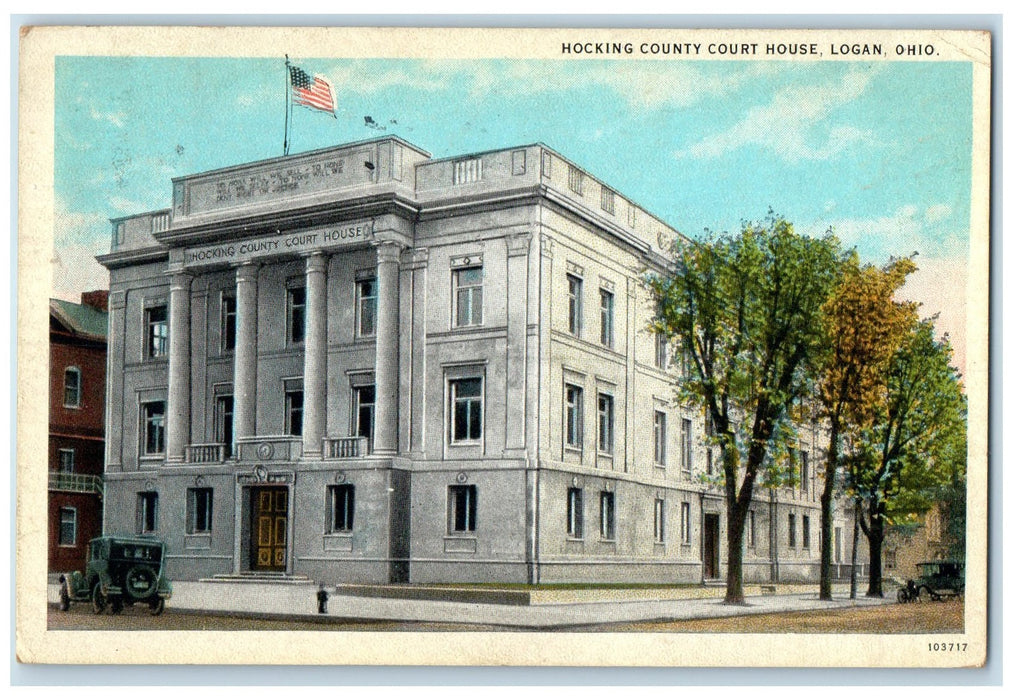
column 288, row 96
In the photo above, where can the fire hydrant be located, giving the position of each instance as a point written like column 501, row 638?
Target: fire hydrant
column 322, row 600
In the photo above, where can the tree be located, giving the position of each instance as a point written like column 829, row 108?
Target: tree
column 863, row 327
column 916, row 443
column 746, row 310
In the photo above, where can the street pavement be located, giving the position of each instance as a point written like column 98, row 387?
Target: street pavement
column 300, row 601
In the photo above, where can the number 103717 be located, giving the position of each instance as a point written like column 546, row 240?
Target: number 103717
column 947, row 646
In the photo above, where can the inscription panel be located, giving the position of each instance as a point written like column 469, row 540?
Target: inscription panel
column 297, row 242
column 203, row 195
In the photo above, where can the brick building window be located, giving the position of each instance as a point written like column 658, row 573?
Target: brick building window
column 686, row 437
column 67, row 459
column 68, row 527
column 660, row 437
column 72, row 387
column 805, row 532
column 791, row 530
column 465, row 396
column 293, row 411
column 659, row 520
column 606, row 421
column 685, row 525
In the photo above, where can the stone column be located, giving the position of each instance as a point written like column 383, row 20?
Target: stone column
column 244, row 387
column 388, row 256
column 178, row 409
column 115, row 405
column 315, row 357
column 517, row 337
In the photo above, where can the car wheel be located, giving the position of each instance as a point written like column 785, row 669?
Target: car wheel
column 64, row 597
column 115, row 605
column 140, row 582
column 157, row 606
column 98, row 600
column 901, row 595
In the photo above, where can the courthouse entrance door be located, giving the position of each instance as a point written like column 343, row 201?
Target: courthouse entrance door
column 711, row 551
column 269, row 528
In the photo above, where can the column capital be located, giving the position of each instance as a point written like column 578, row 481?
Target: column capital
column 247, row 272
column 547, row 242
column 388, row 251
column 117, row 300
column 177, row 270
column 316, row 261
column 518, row 244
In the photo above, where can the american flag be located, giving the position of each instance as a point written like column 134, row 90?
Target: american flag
column 315, row 92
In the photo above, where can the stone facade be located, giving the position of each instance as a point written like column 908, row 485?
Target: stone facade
column 362, row 364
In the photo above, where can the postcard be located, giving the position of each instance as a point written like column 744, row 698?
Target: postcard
column 526, row 347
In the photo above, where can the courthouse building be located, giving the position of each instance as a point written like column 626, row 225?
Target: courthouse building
column 364, row 364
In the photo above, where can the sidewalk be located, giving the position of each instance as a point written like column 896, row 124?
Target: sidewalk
column 299, row 601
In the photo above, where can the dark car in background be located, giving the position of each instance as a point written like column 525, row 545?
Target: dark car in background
column 121, row 571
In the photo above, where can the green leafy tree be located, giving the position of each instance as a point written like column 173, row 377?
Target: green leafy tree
column 863, row 326
column 916, row 444
column 746, row 310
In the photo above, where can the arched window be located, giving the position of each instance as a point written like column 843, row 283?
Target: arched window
column 72, row 387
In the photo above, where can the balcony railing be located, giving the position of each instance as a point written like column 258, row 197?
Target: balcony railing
column 346, row 447
column 78, row 483
column 207, row 453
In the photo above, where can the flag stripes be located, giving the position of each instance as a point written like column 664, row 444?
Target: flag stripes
column 314, row 93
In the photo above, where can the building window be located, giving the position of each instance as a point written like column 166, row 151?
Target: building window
column 804, row 466
column 608, row 515
column 147, row 511
column 466, row 171
column 838, row 538
column 340, row 508
column 660, row 351
column 198, row 510
column 153, row 415
column 462, row 507
column 607, row 317
column 659, row 520
column 68, row 527
column 791, row 530
column 293, row 411
column 605, row 423
column 467, row 283
column 805, row 532
column 575, row 513
column 608, row 200
column 574, row 416
column 751, row 524
column 72, row 387
column 296, row 315
column 365, row 307
column 364, row 400
column 228, row 323
column 576, row 318
column 156, row 320
column 685, row 524
column 708, row 429
column 889, row 558
column 466, row 410
column 687, row 445
column 224, row 422
column 660, row 437
column 576, row 181
column 66, row 457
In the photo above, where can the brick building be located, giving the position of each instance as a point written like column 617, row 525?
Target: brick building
column 77, row 375
column 366, row 364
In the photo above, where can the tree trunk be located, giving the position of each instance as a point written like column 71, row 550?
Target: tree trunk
column 854, row 550
column 736, row 523
column 827, row 514
column 877, row 527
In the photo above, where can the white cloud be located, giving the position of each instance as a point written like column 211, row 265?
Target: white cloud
column 79, row 237
column 940, row 285
column 789, row 125
column 938, row 212
column 114, row 118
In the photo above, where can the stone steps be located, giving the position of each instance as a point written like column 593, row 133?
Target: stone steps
column 260, row 577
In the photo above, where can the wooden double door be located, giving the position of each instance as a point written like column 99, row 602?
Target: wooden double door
column 269, row 528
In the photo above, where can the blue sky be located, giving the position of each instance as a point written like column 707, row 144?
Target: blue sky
column 881, row 151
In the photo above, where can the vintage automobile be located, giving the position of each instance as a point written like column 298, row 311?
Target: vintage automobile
column 937, row 579
column 120, row 571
